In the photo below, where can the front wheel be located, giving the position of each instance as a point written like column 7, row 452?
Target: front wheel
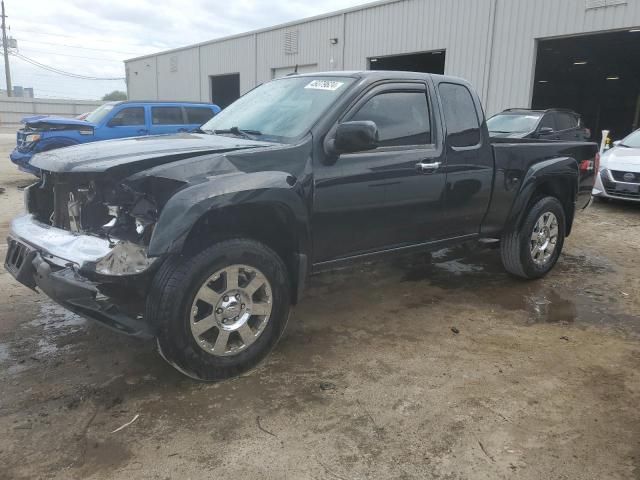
column 220, row 312
column 532, row 250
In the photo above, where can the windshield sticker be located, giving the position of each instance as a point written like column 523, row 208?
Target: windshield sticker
column 330, row 85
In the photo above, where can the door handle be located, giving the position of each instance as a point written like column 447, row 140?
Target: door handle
column 427, row 168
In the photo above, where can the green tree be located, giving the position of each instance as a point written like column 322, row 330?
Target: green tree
column 115, row 95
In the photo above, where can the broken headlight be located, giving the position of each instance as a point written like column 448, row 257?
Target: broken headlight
column 32, row 138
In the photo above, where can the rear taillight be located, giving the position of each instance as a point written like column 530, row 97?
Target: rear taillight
column 590, row 165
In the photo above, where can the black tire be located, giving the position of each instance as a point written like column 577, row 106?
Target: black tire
column 515, row 248
column 173, row 292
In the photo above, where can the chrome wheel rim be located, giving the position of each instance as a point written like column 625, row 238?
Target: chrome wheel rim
column 544, row 238
column 231, row 310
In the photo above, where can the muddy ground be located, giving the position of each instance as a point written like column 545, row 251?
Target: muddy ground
column 369, row 381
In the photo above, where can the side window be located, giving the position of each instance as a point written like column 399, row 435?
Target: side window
column 567, row 121
column 548, row 120
column 402, row 118
column 166, row 116
column 198, row 115
column 128, row 117
column 460, row 115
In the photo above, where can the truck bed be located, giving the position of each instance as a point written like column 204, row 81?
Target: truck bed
column 516, row 160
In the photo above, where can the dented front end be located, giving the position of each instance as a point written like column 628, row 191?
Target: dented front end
column 84, row 243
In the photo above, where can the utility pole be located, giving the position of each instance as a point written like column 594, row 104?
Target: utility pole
column 5, row 44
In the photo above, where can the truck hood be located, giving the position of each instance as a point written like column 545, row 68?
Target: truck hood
column 622, row 159
column 138, row 153
column 45, row 122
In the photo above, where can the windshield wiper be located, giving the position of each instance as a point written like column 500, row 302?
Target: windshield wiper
column 239, row 132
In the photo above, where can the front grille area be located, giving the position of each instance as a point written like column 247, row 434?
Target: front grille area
column 620, row 193
column 619, row 189
column 17, row 253
column 628, row 177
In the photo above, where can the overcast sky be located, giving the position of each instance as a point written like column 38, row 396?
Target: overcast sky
column 109, row 31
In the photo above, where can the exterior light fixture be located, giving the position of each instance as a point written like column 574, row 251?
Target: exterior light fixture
column 580, row 62
column 613, row 77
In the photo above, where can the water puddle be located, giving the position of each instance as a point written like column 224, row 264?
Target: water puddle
column 4, row 352
column 476, row 272
column 54, row 317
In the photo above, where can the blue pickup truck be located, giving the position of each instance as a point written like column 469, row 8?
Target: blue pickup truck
column 111, row 120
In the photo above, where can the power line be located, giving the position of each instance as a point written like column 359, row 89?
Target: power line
column 76, row 46
column 73, row 56
column 61, row 72
column 76, row 36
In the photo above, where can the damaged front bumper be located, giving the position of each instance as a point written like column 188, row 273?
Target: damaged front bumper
column 58, row 263
column 22, row 159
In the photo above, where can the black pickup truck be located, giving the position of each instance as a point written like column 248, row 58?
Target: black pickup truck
column 204, row 240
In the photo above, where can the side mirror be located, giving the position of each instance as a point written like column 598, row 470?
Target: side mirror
column 115, row 122
column 545, row 131
column 617, row 142
column 355, row 136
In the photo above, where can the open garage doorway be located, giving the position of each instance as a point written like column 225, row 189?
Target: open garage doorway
column 426, row 62
column 596, row 75
column 225, row 89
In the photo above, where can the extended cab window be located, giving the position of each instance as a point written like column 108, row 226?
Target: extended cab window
column 198, row 115
column 166, row 115
column 461, row 118
column 128, row 117
column 402, row 118
column 548, row 121
column 566, row 121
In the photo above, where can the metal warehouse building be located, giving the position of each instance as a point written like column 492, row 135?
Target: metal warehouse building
column 578, row 54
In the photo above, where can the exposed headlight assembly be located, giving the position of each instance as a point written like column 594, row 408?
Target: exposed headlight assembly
column 32, row 138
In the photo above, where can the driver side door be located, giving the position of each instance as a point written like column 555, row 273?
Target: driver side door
column 126, row 122
column 382, row 199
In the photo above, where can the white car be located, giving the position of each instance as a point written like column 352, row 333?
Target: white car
column 619, row 173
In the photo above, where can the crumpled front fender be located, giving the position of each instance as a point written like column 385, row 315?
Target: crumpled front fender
column 188, row 205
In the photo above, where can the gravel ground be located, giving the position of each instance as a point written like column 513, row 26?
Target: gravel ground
column 431, row 366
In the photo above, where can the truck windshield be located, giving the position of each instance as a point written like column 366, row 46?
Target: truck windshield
column 99, row 113
column 281, row 110
column 512, row 123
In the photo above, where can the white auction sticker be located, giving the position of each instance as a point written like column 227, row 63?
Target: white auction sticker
column 330, row 85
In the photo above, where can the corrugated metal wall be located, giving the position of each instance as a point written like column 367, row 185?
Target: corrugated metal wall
column 313, row 47
column 230, row 56
column 461, row 27
column 492, row 43
column 520, row 23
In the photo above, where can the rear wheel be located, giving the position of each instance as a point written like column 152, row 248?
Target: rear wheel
column 221, row 311
column 532, row 250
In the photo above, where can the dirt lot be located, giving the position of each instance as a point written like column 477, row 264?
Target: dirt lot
column 370, row 380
